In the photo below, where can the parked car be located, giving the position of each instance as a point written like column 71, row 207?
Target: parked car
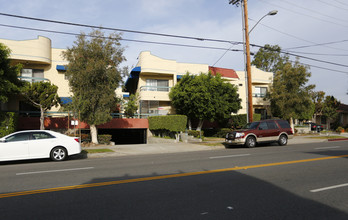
column 314, row 126
column 261, row 131
column 36, row 144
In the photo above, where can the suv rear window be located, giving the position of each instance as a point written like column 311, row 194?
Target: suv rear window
column 283, row 124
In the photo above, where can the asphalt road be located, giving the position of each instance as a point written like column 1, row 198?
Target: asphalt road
column 294, row 182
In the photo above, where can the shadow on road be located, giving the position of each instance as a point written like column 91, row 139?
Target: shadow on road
column 223, row 195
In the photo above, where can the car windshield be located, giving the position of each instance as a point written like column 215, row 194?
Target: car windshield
column 252, row 125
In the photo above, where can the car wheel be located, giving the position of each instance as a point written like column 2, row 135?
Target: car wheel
column 58, row 154
column 283, row 140
column 250, row 142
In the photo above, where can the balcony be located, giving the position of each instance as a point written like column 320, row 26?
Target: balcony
column 154, row 93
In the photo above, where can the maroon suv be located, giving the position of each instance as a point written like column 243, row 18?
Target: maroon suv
column 272, row 130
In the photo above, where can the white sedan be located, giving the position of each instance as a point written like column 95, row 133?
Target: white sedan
column 36, row 144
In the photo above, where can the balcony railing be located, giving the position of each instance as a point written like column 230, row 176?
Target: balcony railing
column 155, row 88
column 259, row 95
column 32, row 79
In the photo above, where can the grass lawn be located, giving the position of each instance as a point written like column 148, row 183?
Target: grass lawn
column 214, row 139
column 103, row 150
column 327, row 137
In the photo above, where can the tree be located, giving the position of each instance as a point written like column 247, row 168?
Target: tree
column 94, row 74
column 330, row 109
column 318, row 100
column 290, row 95
column 42, row 95
column 205, row 97
column 269, row 58
column 9, row 82
column 131, row 105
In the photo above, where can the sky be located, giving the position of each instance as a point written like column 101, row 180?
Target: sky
column 315, row 30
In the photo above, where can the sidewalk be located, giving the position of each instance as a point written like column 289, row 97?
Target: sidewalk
column 167, row 146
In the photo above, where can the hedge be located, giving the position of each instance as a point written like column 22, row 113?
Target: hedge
column 196, row 134
column 8, row 123
column 167, row 125
column 172, row 123
column 238, row 121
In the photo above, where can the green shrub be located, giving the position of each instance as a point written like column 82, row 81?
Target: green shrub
column 167, row 125
column 196, row 134
column 104, row 138
column 172, row 123
column 8, row 123
column 238, row 121
column 85, row 138
column 216, row 132
column 340, row 130
column 222, row 133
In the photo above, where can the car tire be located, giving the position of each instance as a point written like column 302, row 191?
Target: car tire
column 58, row 154
column 250, row 142
column 283, row 140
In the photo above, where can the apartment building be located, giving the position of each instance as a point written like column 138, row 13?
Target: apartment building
column 153, row 77
column 40, row 62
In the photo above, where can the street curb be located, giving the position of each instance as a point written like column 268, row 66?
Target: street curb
column 338, row 139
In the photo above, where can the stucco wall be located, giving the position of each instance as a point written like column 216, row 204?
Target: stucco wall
column 37, row 50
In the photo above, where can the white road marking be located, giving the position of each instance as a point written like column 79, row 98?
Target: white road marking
column 319, row 148
column 236, row 155
column 53, row 171
column 330, row 187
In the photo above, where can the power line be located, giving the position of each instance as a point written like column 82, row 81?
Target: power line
column 122, row 39
column 304, row 57
column 298, row 38
column 320, row 67
column 117, row 29
column 164, row 35
column 296, row 12
column 335, row 6
column 314, row 45
column 316, row 12
column 318, row 54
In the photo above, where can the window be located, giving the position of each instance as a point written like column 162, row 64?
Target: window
column 272, row 125
column 32, row 75
column 18, row 137
column 149, row 107
column 263, row 126
column 163, row 85
column 283, row 124
column 67, row 77
column 260, row 92
column 41, row 135
column 157, row 85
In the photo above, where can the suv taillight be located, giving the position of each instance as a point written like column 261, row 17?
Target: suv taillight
column 77, row 140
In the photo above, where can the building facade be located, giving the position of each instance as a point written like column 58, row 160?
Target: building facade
column 153, row 77
column 40, row 62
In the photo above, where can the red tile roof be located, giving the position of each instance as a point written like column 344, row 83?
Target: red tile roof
column 228, row 73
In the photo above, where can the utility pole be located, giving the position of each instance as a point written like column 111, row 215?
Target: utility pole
column 244, row 4
column 248, row 65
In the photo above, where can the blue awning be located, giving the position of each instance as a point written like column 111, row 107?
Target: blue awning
column 61, row 68
column 179, row 76
column 132, row 81
column 65, row 100
column 135, row 72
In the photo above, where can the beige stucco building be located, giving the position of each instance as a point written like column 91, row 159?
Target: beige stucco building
column 153, row 77
column 40, row 62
